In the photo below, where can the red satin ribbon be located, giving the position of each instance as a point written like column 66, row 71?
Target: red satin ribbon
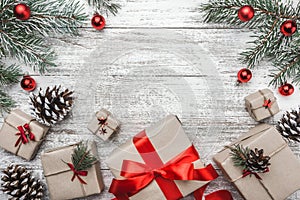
column 77, row 173
column 139, row 175
column 25, row 134
column 247, row 173
column 267, row 103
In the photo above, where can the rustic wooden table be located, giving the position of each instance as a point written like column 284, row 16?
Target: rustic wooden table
column 153, row 58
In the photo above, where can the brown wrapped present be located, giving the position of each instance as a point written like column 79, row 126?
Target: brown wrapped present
column 103, row 124
column 279, row 182
column 21, row 134
column 261, row 104
column 160, row 162
column 63, row 181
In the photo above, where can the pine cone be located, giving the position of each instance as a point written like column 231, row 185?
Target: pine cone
column 256, row 162
column 289, row 125
column 51, row 105
column 20, row 185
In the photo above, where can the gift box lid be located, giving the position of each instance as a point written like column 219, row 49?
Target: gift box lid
column 256, row 99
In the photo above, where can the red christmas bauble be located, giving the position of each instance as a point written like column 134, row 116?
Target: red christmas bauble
column 244, row 75
column 98, row 22
column 22, row 11
column 246, row 13
column 286, row 89
column 28, row 83
column 288, row 27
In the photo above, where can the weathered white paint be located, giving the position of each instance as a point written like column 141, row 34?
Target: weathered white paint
column 155, row 57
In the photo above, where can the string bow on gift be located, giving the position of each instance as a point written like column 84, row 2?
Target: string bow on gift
column 24, row 134
column 267, row 103
column 77, row 173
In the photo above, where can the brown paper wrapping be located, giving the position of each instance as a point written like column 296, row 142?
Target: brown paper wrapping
column 281, row 181
column 8, row 135
column 254, row 104
column 169, row 140
column 111, row 127
column 59, row 175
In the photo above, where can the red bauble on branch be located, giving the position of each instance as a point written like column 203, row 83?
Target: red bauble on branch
column 288, row 28
column 244, row 75
column 22, row 11
column 28, row 83
column 98, row 22
column 246, row 13
column 286, row 89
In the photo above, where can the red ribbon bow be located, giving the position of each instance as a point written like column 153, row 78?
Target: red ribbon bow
column 247, row 172
column 77, row 173
column 25, row 134
column 139, row 175
column 267, row 103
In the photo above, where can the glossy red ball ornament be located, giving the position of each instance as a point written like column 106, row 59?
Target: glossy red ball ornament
column 246, row 13
column 288, row 28
column 286, row 89
column 244, row 75
column 28, row 83
column 98, row 22
column 22, row 11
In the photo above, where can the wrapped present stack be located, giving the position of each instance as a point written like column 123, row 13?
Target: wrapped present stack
column 22, row 135
column 261, row 161
column 103, row 124
column 261, row 104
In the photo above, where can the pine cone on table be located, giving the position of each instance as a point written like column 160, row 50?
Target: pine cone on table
column 289, row 125
column 51, row 105
column 20, row 185
column 256, row 162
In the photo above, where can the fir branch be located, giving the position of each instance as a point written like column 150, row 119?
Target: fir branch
column 6, row 103
column 105, row 5
column 82, row 159
column 239, row 155
column 9, row 74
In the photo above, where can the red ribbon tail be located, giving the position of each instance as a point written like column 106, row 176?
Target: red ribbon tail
column 31, row 136
column 18, row 141
column 81, row 180
column 219, row 195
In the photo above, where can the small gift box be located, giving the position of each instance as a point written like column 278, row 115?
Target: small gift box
column 261, row 104
column 103, row 124
column 278, row 175
column 21, row 134
column 65, row 174
column 160, row 162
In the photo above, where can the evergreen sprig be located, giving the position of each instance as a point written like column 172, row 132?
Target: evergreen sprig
column 105, row 5
column 27, row 40
column 239, row 155
column 82, row 159
column 269, row 42
column 5, row 102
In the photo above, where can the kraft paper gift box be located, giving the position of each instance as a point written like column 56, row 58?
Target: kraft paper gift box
column 283, row 177
column 22, row 135
column 261, row 104
column 58, row 174
column 167, row 140
column 103, row 124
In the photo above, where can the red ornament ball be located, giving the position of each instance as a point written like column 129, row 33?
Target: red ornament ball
column 286, row 89
column 98, row 22
column 288, row 27
column 22, row 11
column 244, row 75
column 28, row 83
column 246, row 13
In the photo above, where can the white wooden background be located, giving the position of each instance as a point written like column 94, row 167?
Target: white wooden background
column 153, row 58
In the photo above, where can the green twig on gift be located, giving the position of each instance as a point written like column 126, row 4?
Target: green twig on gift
column 82, row 159
column 239, row 155
column 269, row 42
